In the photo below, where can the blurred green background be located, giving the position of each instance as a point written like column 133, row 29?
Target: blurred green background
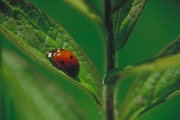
column 158, row 25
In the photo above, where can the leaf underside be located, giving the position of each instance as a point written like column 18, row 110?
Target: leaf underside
column 154, row 83
column 35, row 33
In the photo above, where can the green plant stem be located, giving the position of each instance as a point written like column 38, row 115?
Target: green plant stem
column 110, row 110
column 109, row 93
column 110, row 40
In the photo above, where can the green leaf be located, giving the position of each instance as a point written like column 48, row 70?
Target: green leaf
column 33, row 95
column 87, row 8
column 155, row 81
column 125, row 19
column 167, row 58
column 35, row 33
column 118, row 4
column 149, row 90
column 157, row 64
column 170, row 107
column 91, row 11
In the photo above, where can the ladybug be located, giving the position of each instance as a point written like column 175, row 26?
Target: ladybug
column 64, row 60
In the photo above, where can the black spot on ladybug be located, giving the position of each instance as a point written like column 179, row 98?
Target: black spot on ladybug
column 62, row 62
column 71, row 57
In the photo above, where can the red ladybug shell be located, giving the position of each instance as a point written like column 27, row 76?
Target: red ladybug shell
column 65, row 60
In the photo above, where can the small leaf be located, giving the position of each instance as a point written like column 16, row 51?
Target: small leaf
column 33, row 95
column 125, row 19
column 87, row 8
column 156, row 80
column 91, row 11
column 35, row 33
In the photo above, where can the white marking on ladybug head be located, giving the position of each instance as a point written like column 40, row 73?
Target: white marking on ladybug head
column 49, row 55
